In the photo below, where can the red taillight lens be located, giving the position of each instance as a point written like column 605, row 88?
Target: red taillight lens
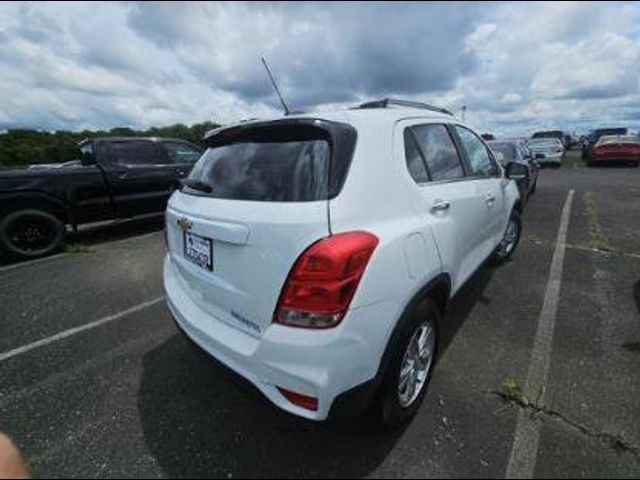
column 634, row 148
column 323, row 281
column 302, row 401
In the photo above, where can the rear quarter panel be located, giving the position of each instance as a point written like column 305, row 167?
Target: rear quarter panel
column 379, row 196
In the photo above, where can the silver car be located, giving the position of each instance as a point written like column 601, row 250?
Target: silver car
column 547, row 151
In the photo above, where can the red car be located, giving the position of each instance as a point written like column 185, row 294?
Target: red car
column 616, row 149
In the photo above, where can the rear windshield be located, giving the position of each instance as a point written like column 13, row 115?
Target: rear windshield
column 508, row 150
column 610, row 131
column 618, row 139
column 281, row 165
column 551, row 134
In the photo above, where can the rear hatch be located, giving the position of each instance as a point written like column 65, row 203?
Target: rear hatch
column 253, row 203
column 619, row 148
column 547, row 148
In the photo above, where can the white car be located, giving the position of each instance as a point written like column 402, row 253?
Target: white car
column 315, row 254
column 547, row 150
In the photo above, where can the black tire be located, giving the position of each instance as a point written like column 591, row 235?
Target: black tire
column 508, row 246
column 388, row 407
column 31, row 233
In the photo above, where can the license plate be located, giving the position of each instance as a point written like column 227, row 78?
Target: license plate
column 198, row 250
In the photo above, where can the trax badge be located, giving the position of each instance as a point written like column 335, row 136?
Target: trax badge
column 185, row 224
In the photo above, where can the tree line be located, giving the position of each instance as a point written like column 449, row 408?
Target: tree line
column 22, row 147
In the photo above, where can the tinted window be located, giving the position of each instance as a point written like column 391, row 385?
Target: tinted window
column 182, row 152
column 137, row 152
column 477, row 154
column 439, row 151
column 508, row 150
column 611, row 131
column 288, row 170
column 415, row 163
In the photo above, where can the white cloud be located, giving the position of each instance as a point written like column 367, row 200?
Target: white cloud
column 517, row 66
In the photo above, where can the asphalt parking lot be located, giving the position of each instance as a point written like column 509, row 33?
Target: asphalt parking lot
column 130, row 397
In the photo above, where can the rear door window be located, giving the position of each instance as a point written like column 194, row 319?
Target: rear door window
column 439, row 152
column 415, row 162
column 478, row 155
column 278, row 165
column 181, row 153
column 136, row 152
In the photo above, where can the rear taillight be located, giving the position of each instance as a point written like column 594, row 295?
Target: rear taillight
column 323, row 281
column 634, row 148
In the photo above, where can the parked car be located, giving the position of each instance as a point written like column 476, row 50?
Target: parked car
column 507, row 151
column 547, row 151
column 616, row 149
column 116, row 178
column 523, row 145
column 488, row 136
column 592, row 138
column 564, row 138
column 315, row 254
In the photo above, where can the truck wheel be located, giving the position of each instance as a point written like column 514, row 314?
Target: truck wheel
column 414, row 352
column 31, row 233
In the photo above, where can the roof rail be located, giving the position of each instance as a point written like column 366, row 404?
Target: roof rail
column 390, row 102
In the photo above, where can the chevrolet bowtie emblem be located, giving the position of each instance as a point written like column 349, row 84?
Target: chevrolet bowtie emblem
column 185, row 224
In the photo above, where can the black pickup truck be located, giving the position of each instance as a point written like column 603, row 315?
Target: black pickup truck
column 115, row 178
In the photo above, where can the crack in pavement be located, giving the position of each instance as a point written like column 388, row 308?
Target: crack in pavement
column 573, row 246
column 617, row 442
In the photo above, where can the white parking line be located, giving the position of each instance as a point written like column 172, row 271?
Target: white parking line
column 72, row 331
column 524, row 451
column 32, row 262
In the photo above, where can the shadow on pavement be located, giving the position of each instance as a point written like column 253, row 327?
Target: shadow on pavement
column 612, row 165
column 463, row 303
column 106, row 232
column 117, row 231
column 201, row 420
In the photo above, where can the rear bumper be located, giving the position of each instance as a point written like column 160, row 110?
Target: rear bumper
column 615, row 159
column 334, row 364
column 555, row 159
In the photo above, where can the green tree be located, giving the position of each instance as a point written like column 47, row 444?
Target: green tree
column 22, row 147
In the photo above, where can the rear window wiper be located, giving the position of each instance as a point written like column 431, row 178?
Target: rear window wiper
column 198, row 185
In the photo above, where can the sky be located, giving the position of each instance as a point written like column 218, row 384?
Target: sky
column 517, row 66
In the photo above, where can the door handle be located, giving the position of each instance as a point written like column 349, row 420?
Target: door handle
column 440, row 205
column 491, row 198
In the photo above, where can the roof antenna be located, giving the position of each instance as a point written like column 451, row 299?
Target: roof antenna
column 275, row 86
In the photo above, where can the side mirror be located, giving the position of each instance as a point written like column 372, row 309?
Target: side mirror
column 516, row 171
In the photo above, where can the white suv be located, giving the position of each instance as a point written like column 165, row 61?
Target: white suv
column 315, row 254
